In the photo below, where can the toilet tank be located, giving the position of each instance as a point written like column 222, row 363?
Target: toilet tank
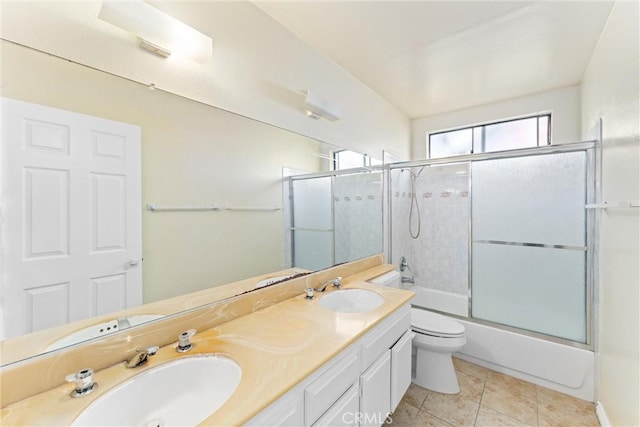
column 392, row 279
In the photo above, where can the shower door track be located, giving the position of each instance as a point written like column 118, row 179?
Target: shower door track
column 505, row 154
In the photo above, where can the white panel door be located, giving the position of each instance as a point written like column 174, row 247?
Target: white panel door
column 71, row 217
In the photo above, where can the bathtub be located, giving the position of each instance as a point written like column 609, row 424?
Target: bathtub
column 435, row 299
column 561, row 367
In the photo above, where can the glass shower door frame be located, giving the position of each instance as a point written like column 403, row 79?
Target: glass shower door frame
column 332, row 175
column 592, row 150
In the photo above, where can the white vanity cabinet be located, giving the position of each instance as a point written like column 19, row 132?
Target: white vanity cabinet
column 359, row 387
column 386, row 367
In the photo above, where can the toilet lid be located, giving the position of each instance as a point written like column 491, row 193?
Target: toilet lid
column 435, row 324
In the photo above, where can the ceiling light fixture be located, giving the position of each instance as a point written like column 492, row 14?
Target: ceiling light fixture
column 154, row 48
column 316, row 107
column 159, row 32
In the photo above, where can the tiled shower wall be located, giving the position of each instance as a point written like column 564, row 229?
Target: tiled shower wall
column 439, row 257
column 357, row 205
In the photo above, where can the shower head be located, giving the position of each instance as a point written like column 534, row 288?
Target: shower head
column 415, row 175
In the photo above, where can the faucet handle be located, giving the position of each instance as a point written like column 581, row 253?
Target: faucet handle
column 184, row 341
column 83, row 382
column 337, row 282
column 309, row 292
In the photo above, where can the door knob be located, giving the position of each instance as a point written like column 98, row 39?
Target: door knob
column 132, row 263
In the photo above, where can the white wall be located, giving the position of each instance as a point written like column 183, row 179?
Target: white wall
column 564, row 105
column 258, row 67
column 610, row 90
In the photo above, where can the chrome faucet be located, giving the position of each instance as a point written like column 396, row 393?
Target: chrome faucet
column 83, row 382
column 142, row 356
column 404, row 265
column 337, row 283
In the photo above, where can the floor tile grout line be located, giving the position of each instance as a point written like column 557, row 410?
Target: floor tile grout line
column 426, row 396
column 435, row 416
column 484, row 384
column 537, row 406
column 509, row 415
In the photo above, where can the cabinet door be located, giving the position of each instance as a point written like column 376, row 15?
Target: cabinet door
column 344, row 412
column 400, row 368
column 375, row 388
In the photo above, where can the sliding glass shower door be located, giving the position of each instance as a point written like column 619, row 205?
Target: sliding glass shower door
column 312, row 223
column 521, row 235
column 529, row 243
column 335, row 217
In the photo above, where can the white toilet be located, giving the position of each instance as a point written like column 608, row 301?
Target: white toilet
column 437, row 338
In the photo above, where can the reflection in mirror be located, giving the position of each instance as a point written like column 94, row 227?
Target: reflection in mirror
column 191, row 154
column 337, row 217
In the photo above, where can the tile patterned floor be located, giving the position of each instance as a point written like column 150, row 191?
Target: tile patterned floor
column 490, row 399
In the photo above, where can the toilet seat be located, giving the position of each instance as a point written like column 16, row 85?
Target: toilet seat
column 433, row 324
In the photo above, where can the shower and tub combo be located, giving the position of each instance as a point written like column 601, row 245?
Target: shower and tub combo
column 501, row 244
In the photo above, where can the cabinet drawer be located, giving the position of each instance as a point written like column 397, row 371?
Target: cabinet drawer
column 324, row 391
column 344, row 412
column 286, row 411
column 385, row 335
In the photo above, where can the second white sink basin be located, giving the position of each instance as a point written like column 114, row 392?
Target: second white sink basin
column 181, row 392
column 351, row 301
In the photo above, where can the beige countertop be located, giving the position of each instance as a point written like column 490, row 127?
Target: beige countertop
column 277, row 347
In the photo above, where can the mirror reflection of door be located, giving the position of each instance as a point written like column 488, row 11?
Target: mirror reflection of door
column 71, row 196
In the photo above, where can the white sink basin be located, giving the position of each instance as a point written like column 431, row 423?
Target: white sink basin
column 351, row 301
column 182, row 392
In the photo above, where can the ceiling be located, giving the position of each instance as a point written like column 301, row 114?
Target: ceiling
column 431, row 57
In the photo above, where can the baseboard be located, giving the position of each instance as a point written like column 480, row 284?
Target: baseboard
column 602, row 415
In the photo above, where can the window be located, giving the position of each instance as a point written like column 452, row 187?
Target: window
column 346, row 159
column 506, row 135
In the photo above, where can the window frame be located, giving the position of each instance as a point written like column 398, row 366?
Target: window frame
column 483, row 127
column 366, row 159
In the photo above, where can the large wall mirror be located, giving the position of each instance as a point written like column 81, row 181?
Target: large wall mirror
column 193, row 154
